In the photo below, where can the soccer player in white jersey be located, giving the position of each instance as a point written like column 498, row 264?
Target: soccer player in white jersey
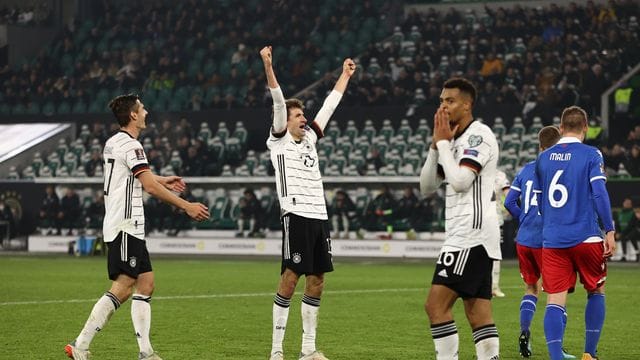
column 306, row 244
column 126, row 173
column 464, row 155
column 501, row 188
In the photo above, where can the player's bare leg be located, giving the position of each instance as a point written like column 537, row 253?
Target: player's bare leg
column 485, row 334
column 438, row 306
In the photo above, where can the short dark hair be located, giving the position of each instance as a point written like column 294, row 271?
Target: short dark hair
column 548, row 136
column 122, row 106
column 464, row 85
column 573, row 119
column 294, row 103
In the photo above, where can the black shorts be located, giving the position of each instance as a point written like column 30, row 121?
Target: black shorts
column 467, row 272
column 306, row 245
column 127, row 255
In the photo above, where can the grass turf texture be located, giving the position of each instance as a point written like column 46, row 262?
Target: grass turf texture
column 221, row 309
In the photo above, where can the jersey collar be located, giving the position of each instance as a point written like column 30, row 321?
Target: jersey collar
column 465, row 129
column 122, row 131
column 568, row 140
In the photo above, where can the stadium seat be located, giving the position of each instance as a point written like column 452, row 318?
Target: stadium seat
column 423, row 130
column 240, row 133
column 404, row 130
column 233, row 151
column 387, row 130
column 222, row 133
column 226, row 170
column 205, row 133
column 332, row 131
column 517, row 129
column 351, row 131
column 498, row 128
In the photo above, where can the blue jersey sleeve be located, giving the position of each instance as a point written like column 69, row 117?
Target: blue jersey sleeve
column 511, row 202
column 602, row 204
column 596, row 167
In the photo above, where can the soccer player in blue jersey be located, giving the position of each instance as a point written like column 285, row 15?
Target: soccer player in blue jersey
column 572, row 197
column 521, row 203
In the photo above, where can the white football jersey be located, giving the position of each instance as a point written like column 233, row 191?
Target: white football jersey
column 502, row 184
column 298, row 178
column 124, row 160
column 470, row 217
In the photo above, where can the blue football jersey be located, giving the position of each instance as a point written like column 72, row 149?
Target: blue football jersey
column 530, row 230
column 564, row 174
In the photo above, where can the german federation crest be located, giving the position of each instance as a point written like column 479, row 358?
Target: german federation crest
column 475, row 140
column 133, row 261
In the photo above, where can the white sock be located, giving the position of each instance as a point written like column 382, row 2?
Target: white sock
column 495, row 275
column 252, row 225
column 309, row 308
column 100, row 315
column 280, row 316
column 241, row 225
column 487, row 342
column 141, row 317
column 445, row 340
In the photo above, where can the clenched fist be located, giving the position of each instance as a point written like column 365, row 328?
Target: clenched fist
column 348, row 67
column 265, row 53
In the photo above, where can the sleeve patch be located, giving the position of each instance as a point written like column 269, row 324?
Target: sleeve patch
column 471, row 152
column 474, row 140
column 139, row 154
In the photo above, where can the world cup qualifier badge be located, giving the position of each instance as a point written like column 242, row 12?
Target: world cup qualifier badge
column 475, row 140
column 296, row 258
column 133, row 261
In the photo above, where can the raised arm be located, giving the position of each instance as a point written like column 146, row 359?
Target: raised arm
column 332, row 101
column 279, row 107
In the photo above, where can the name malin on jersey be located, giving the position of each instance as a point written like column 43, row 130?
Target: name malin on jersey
column 560, row 156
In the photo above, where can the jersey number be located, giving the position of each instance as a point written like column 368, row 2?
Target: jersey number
column 530, row 198
column 108, row 182
column 556, row 187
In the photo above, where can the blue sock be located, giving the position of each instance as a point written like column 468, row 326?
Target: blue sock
column 554, row 330
column 527, row 310
column 593, row 321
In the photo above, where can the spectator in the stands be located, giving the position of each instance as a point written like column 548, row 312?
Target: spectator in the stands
column 614, row 157
column 192, row 165
column 384, row 206
column 251, row 211
column 70, row 211
column 92, row 164
column 6, row 215
column 49, row 210
column 94, row 213
column 342, row 210
column 632, row 161
column 407, row 209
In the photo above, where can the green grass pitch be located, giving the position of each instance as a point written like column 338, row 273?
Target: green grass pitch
column 206, row 308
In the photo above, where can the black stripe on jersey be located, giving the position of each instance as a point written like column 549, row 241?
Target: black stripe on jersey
column 470, row 163
column 317, row 130
column 126, row 199
column 475, row 203
column 283, row 178
column 480, row 201
column 129, row 199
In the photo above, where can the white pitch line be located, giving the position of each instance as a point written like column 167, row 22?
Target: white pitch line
column 210, row 296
